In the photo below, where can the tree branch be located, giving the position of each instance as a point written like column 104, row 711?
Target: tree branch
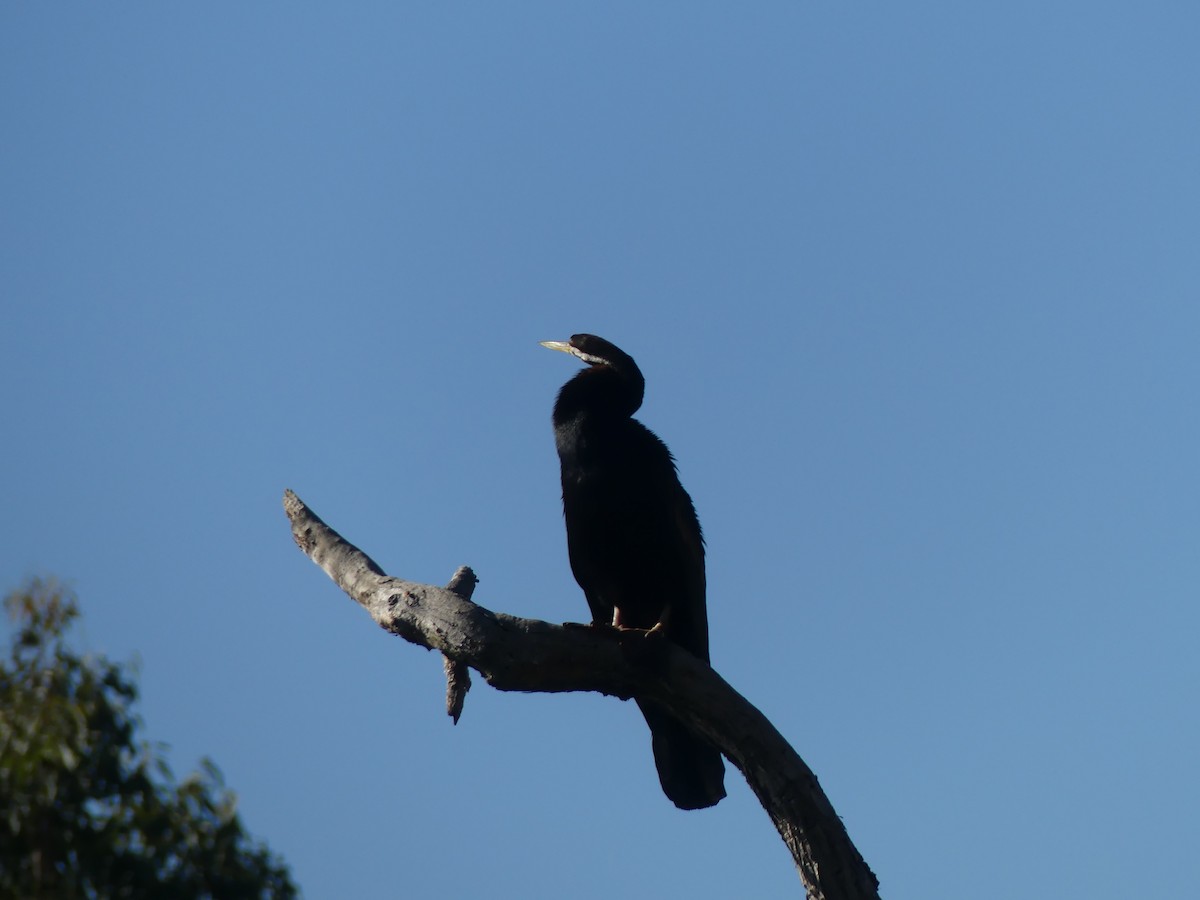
column 458, row 674
column 515, row 654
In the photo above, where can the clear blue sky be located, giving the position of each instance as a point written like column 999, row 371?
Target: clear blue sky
column 916, row 290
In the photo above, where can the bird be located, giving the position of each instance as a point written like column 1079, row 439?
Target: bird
column 634, row 541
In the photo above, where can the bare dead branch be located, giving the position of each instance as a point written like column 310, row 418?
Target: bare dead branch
column 458, row 674
column 515, row 654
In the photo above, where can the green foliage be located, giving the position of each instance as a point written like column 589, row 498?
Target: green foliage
column 87, row 810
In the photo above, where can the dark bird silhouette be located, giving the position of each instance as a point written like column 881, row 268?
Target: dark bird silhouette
column 634, row 540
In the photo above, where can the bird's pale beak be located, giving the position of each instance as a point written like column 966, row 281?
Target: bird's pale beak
column 556, row 345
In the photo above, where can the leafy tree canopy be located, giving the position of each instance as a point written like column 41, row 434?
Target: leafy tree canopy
column 87, row 809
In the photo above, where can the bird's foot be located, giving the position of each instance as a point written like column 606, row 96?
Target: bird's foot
column 601, row 628
column 655, row 634
column 658, row 632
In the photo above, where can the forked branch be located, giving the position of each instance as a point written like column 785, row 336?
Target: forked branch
column 515, row 654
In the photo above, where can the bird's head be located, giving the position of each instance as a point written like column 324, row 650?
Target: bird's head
column 604, row 356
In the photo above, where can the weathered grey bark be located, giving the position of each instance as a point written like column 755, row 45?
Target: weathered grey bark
column 458, row 673
column 514, row 654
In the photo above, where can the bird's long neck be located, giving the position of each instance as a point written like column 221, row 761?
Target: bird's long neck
column 600, row 393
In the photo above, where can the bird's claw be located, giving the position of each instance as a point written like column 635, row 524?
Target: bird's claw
column 601, row 628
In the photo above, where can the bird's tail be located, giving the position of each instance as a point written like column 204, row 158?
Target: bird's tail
column 690, row 769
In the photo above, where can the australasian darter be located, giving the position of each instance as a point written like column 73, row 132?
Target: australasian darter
column 634, row 541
